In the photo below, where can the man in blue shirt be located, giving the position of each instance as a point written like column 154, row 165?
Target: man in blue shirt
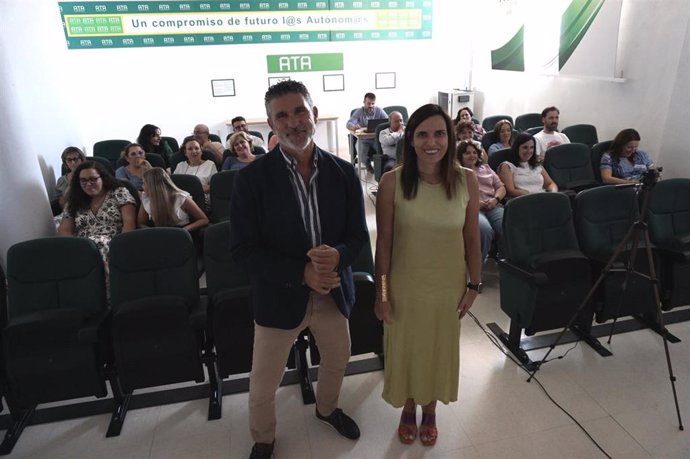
column 360, row 119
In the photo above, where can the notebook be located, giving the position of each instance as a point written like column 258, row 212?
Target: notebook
column 371, row 124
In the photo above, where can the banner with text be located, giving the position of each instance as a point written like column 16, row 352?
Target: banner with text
column 114, row 24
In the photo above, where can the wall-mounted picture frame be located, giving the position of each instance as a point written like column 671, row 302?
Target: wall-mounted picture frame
column 275, row 80
column 334, row 82
column 223, row 88
column 385, row 80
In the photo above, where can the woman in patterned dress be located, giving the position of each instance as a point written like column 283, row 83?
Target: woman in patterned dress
column 98, row 207
column 427, row 249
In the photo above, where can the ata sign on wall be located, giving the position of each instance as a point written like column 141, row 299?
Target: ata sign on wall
column 114, row 24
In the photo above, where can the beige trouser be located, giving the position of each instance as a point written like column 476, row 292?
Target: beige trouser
column 271, row 349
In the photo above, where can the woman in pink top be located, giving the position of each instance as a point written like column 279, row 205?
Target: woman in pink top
column 491, row 192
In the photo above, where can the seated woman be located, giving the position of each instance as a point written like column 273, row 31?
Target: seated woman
column 625, row 163
column 241, row 148
column 522, row 174
column 71, row 158
column 150, row 140
column 465, row 114
column 164, row 204
column 464, row 130
column 195, row 165
column 503, row 132
column 98, row 207
column 491, row 192
column 133, row 172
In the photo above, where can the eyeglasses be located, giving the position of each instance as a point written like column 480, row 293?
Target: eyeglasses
column 90, row 180
column 200, row 132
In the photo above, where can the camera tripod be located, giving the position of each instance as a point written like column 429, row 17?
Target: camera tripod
column 637, row 232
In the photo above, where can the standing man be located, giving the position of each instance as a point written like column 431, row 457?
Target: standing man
column 389, row 139
column 240, row 124
column 549, row 136
column 297, row 219
column 359, row 120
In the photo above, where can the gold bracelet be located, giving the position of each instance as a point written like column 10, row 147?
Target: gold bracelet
column 382, row 290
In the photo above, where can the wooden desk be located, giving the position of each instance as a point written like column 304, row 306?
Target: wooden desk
column 362, row 135
column 331, row 122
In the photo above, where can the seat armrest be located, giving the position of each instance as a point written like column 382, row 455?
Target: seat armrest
column 538, row 278
column 91, row 331
column 678, row 256
column 556, row 256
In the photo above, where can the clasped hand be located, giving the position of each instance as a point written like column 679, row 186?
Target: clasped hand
column 321, row 273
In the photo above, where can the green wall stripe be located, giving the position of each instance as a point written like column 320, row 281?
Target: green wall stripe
column 510, row 56
column 575, row 22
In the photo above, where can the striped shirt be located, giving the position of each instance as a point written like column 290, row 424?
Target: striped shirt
column 306, row 195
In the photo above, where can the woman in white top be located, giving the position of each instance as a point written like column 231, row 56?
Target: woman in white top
column 166, row 205
column 196, row 166
column 522, row 174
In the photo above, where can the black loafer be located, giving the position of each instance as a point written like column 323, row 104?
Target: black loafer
column 341, row 422
column 262, row 450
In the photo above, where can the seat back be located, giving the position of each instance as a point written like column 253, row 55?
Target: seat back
column 539, row 238
column 535, row 224
column 221, row 191
column 377, row 142
column 489, row 122
column 366, row 331
column 158, row 322
column 153, row 262
column 396, row 108
column 110, row 149
column 569, row 165
column 497, row 157
column 528, row 120
column 669, row 213
column 172, row 142
column 230, row 316
column 598, row 151
column 534, row 130
column 192, row 185
column 56, row 307
column 582, row 133
column 214, row 138
column 603, row 216
column 55, row 273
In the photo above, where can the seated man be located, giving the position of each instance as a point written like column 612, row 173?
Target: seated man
column 240, row 124
column 389, row 139
column 360, row 119
column 549, row 136
column 201, row 135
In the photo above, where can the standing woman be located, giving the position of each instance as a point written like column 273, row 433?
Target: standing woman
column 150, row 140
column 428, row 241
column 98, row 207
column 166, row 205
column 196, row 166
column 133, row 172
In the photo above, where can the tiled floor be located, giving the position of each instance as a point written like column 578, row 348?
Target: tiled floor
column 624, row 402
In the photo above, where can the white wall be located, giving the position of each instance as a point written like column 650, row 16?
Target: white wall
column 53, row 97
column 652, row 56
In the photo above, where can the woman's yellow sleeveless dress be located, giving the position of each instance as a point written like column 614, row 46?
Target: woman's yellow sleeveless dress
column 427, row 281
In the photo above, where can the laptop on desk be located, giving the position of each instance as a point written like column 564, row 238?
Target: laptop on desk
column 372, row 124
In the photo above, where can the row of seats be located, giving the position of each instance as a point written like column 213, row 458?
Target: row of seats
column 553, row 259
column 572, row 166
column 63, row 339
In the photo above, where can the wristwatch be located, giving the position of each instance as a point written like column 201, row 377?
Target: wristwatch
column 476, row 287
